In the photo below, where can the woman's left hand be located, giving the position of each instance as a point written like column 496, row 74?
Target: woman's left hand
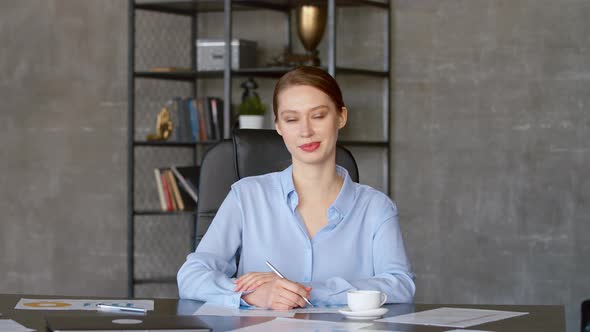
column 251, row 281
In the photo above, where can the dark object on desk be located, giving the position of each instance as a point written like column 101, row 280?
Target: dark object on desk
column 70, row 323
column 585, row 316
column 250, row 152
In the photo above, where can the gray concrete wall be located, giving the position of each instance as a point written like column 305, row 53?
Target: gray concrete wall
column 491, row 149
column 63, row 95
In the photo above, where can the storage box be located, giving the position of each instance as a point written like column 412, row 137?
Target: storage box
column 211, row 54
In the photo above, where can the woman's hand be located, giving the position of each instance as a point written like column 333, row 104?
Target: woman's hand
column 278, row 294
column 252, row 280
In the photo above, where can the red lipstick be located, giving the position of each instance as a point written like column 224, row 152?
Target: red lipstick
column 310, row 147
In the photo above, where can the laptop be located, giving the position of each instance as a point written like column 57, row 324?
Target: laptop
column 109, row 323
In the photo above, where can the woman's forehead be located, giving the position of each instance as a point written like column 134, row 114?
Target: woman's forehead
column 303, row 96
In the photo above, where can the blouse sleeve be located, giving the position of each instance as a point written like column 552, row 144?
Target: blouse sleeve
column 206, row 274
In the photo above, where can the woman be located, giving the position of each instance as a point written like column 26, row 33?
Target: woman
column 325, row 233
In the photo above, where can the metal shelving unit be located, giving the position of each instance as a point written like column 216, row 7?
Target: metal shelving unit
column 141, row 211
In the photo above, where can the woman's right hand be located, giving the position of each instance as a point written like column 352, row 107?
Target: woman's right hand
column 250, row 281
column 279, row 294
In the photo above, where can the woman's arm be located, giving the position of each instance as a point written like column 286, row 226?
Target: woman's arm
column 206, row 274
column 391, row 266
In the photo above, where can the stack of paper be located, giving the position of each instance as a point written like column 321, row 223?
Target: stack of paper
column 452, row 317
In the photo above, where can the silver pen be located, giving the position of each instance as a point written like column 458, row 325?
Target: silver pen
column 282, row 277
column 119, row 308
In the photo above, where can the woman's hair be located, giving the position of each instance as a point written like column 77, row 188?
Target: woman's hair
column 310, row 76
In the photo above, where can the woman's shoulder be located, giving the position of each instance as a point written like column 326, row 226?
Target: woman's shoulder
column 374, row 198
column 258, row 182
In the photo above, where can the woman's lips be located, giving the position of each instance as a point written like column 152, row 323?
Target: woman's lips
column 310, row 147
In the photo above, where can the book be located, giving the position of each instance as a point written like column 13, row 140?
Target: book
column 169, row 204
column 187, row 132
column 202, row 120
column 163, row 205
column 175, row 191
column 208, row 117
column 188, row 178
column 174, row 107
column 194, row 119
column 217, row 116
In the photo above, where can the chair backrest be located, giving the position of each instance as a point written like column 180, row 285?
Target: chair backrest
column 585, row 316
column 250, row 152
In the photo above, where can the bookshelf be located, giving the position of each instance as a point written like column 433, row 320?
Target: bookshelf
column 162, row 33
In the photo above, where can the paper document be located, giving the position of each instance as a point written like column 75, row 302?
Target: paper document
column 319, row 310
column 8, row 325
column 69, row 304
column 208, row 309
column 452, row 317
column 302, row 325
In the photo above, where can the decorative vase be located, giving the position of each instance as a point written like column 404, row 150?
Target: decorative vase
column 251, row 121
column 311, row 22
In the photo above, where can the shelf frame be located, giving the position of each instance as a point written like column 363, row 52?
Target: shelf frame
column 270, row 72
column 189, row 8
column 192, row 9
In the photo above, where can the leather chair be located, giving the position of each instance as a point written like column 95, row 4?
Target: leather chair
column 585, row 316
column 250, row 152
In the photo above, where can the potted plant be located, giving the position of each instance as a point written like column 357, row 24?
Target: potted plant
column 251, row 111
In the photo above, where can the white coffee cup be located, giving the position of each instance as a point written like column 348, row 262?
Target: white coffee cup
column 360, row 300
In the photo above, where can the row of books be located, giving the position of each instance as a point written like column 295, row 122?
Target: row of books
column 196, row 119
column 177, row 187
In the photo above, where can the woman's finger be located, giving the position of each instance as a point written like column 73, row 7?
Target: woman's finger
column 294, row 287
column 259, row 279
column 259, row 282
column 291, row 299
column 244, row 277
column 240, row 282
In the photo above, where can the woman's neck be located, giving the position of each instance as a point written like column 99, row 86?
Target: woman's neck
column 315, row 182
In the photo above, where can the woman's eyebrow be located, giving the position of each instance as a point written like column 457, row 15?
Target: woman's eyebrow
column 311, row 109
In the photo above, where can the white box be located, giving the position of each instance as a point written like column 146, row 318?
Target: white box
column 211, row 54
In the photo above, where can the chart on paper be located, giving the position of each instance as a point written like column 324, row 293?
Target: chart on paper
column 69, row 304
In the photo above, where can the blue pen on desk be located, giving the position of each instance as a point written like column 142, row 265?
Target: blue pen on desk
column 282, row 277
column 119, row 308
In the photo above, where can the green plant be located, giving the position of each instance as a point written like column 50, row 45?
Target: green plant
column 252, row 106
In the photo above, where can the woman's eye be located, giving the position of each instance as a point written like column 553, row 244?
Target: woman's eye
column 290, row 120
column 321, row 116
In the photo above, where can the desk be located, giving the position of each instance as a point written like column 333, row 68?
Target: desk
column 539, row 319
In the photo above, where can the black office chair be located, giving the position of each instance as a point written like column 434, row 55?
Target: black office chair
column 249, row 152
column 585, row 316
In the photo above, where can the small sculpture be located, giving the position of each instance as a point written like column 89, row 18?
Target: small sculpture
column 164, row 126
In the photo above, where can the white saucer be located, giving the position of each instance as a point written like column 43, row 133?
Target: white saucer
column 365, row 314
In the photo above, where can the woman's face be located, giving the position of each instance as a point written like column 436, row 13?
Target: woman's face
column 309, row 123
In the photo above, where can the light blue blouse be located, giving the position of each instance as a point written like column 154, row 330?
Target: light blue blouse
column 360, row 248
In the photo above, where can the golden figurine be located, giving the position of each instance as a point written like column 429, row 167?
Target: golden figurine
column 163, row 126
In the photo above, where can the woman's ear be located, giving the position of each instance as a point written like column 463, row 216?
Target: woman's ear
column 277, row 128
column 342, row 117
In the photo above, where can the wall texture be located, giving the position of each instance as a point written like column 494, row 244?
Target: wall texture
column 491, row 149
column 490, row 131
column 63, row 147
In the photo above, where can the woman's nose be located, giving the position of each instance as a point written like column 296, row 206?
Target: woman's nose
column 306, row 130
